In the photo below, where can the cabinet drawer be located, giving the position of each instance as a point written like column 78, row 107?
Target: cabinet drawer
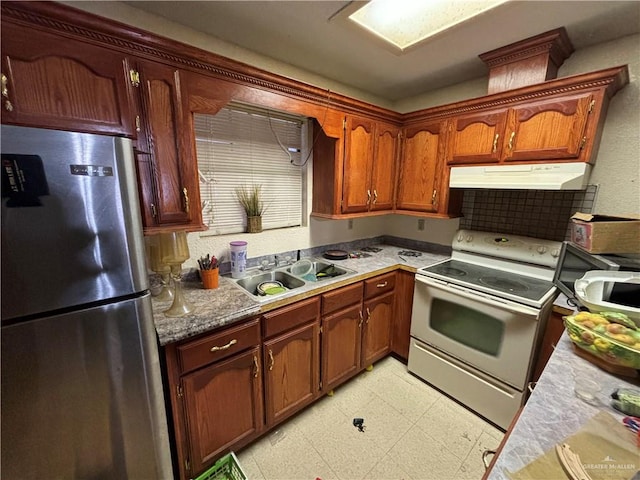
column 218, row 345
column 379, row 285
column 342, row 297
column 291, row 316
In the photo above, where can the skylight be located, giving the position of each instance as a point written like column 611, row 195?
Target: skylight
column 405, row 23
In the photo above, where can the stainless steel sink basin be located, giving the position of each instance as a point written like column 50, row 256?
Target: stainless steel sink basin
column 322, row 270
column 250, row 284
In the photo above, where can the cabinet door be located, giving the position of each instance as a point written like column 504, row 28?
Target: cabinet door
column 376, row 335
column 292, row 371
column 341, row 339
column 548, row 130
column 168, row 171
column 223, row 406
column 358, row 162
column 477, row 138
column 383, row 176
column 54, row 82
column 420, row 168
column 401, row 328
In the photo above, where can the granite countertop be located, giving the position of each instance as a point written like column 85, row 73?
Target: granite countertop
column 553, row 412
column 229, row 303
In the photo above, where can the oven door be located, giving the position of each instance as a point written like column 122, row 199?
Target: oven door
column 493, row 335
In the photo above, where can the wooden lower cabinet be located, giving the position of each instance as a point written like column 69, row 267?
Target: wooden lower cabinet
column 223, row 406
column 356, row 328
column 292, row 361
column 376, row 332
column 341, row 334
column 401, row 329
column 234, row 384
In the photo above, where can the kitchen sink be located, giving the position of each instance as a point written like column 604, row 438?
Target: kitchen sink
column 250, row 284
column 321, row 270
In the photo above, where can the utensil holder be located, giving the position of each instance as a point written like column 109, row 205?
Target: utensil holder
column 210, row 278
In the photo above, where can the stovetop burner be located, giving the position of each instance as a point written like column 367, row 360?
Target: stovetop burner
column 371, row 249
column 409, row 253
column 504, row 284
column 501, row 283
column 449, row 271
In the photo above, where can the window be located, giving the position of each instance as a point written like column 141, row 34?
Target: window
column 245, row 146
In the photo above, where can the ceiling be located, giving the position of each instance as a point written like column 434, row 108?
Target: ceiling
column 300, row 33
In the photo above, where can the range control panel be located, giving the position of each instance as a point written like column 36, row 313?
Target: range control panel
column 509, row 247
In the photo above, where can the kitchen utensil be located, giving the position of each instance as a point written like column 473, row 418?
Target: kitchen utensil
column 264, row 286
column 274, row 290
column 302, row 267
column 336, row 254
column 329, row 271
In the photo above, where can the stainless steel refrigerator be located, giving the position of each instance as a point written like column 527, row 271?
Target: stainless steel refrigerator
column 81, row 384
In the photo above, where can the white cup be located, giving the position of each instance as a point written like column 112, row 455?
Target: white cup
column 238, row 258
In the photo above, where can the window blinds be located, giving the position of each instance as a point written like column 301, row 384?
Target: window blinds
column 243, row 147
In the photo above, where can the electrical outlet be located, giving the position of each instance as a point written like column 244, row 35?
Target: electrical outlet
column 350, row 224
column 421, row 224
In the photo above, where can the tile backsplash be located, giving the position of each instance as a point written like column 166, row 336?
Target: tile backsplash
column 534, row 213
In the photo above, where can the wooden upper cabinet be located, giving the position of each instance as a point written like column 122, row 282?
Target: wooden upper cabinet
column 550, row 129
column 167, row 167
column 369, row 165
column 54, row 82
column 553, row 129
column 421, row 167
column 383, row 175
column 358, row 164
column 477, row 138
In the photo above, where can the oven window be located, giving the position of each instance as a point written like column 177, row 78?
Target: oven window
column 469, row 327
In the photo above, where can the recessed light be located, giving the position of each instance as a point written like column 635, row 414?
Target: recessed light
column 405, row 23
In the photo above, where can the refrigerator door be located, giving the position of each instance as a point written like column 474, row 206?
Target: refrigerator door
column 71, row 227
column 85, row 396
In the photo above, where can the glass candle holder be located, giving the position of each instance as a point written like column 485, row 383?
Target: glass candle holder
column 156, row 265
column 174, row 252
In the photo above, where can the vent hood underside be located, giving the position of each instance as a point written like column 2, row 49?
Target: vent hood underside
column 540, row 176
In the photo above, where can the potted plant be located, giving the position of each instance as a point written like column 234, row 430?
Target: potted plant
column 254, row 207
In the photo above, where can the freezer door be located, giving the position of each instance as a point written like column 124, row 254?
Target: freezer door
column 71, row 228
column 82, row 396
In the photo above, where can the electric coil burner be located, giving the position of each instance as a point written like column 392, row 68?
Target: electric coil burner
column 477, row 319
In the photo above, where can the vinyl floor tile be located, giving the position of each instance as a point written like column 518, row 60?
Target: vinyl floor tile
column 412, row 432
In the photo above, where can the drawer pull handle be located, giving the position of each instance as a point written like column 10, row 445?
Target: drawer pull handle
column 256, row 369
column 224, row 347
column 271, row 361
column 361, row 319
column 368, row 316
column 382, row 285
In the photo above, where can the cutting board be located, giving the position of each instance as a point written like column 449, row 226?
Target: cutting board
column 606, row 448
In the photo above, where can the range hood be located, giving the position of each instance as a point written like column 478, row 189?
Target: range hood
column 538, row 176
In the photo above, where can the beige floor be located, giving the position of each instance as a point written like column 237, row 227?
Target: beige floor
column 413, row 432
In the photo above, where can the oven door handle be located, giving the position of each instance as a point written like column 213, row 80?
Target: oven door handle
column 477, row 296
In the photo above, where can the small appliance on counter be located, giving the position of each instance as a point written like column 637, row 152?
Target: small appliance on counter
column 607, row 291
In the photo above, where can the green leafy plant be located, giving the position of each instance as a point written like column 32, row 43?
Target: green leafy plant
column 249, row 198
